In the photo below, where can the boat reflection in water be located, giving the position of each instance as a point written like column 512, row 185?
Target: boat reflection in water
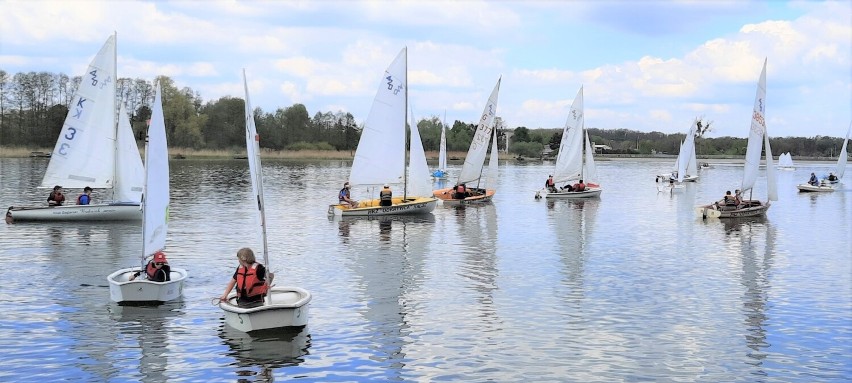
column 149, row 327
column 266, row 349
column 365, row 226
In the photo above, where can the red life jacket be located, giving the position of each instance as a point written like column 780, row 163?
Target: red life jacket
column 248, row 283
column 151, row 270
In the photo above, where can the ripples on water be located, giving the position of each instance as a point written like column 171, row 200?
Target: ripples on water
column 631, row 287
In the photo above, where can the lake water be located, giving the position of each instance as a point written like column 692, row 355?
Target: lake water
column 631, row 287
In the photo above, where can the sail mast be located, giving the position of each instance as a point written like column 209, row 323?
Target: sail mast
column 115, row 152
column 404, row 154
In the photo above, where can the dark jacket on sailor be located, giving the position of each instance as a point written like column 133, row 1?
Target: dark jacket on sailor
column 251, row 282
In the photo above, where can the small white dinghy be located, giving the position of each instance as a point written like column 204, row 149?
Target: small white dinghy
column 155, row 210
column 282, row 306
column 827, row 185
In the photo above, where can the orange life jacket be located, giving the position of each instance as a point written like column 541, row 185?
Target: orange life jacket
column 248, row 285
column 151, row 270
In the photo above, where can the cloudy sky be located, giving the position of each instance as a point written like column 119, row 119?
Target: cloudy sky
column 644, row 65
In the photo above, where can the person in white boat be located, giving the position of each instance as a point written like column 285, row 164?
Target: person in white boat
column 550, row 185
column 157, row 269
column 249, row 279
column 386, row 196
column 344, row 197
column 813, row 181
column 86, row 197
column 579, row 186
column 832, row 177
column 56, row 198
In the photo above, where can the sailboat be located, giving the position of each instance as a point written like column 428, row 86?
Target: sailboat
column 282, row 306
column 441, row 172
column 96, row 148
column 155, row 216
column 785, row 162
column 686, row 165
column 380, row 158
column 758, row 136
column 471, row 173
column 575, row 160
column 827, row 185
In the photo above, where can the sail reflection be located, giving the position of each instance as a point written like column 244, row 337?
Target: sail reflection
column 148, row 326
column 387, row 256
column 479, row 263
column 573, row 221
column 755, row 241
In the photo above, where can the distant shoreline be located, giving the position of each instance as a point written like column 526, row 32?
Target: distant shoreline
column 183, row 153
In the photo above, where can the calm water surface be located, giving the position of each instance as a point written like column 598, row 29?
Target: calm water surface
column 632, row 287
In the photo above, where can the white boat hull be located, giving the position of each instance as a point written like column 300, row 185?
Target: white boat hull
column 754, row 209
column 815, row 188
column 588, row 193
column 668, row 177
column 142, row 291
column 105, row 212
column 419, row 205
column 284, row 307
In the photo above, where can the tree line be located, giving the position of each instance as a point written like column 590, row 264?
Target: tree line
column 33, row 107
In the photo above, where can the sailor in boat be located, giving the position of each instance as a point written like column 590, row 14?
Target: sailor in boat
column 738, row 197
column 157, row 269
column 344, row 197
column 249, row 279
column 579, row 186
column 813, row 180
column 86, row 197
column 728, row 202
column 832, row 177
column 386, row 196
column 461, row 191
column 550, row 185
column 56, row 198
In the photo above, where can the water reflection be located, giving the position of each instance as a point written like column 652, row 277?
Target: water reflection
column 754, row 240
column 147, row 327
column 479, row 263
column 265, row 350
column 385, row 225
column 573, row 221
column 389, row 266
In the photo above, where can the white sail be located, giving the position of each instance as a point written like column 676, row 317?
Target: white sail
column 84, row 155
column 129, row 172
column 686, row 157
column 569, row 161
column 475, row 159
column 255, row 170
column 155, row 205
column 756, row 133
column 493, row 163
column 419, row 183
column 590, row 172
column 692, row 166
column 841, row 160
column 442, row 153
column 380, row 157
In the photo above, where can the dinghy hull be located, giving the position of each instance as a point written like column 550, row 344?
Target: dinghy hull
column 106, row 212
column 371, row 208
column 479, row 196
column 285, row 307
column 814, row 188
column 588, row 193
column 753, row 209
column 142, row 291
